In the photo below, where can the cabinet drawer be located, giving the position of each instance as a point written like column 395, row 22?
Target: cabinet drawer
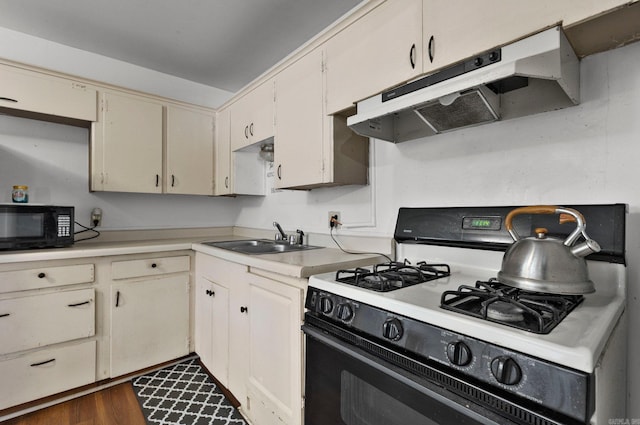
column 46, row 372
column 149, row 267
column 39, row 320
column 45, row 277
column 31, row 91
column 217, row 270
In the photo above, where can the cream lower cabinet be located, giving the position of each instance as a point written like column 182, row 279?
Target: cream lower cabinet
column 221, row 321
column 149, row 312
column 47, row 329
column 247, row 331
column 275, row 352
column 312, row 149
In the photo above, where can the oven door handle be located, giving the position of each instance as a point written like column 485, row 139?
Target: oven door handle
column 401, row 375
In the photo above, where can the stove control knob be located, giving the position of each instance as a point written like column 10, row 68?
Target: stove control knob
column 326, row 305
column 459, row 353
column 345, row 312
column 506, row 370
column 392, row 329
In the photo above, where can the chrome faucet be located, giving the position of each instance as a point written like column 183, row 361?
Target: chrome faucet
column 292, row 239
column 282, row 236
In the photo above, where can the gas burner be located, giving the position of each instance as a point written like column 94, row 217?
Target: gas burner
column 530, row 311
column 393, row 275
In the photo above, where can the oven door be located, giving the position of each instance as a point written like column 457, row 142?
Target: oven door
column 345, row 385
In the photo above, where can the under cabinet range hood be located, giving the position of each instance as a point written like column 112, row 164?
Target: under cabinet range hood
column 536, row 74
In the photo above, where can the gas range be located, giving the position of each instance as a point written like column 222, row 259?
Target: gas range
column 565, row 337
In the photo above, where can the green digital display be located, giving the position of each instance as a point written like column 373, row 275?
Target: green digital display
column 482, row 223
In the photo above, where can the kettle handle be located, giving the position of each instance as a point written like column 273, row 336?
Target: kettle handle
column 566, row 215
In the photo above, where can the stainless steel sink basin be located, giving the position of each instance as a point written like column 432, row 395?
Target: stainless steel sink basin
column 260, row 246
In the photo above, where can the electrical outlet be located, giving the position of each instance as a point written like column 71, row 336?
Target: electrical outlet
column 334, row 219
column 96, row 217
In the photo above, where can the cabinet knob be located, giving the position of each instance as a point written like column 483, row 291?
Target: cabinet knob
column 244, row 309
column 41, row 275
column 154, row 265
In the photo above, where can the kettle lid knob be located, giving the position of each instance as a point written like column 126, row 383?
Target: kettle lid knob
column 541, row 232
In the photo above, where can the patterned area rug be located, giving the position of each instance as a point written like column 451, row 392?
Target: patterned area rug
column 184, row 394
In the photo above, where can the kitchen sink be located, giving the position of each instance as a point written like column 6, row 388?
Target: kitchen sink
column 260, row 246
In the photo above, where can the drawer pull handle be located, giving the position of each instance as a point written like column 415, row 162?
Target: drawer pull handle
column 117, row 298
column 79, row 304
column 5, row 315
column 210, row 293
column 154, row 265
column 8, row 99
column 41, row 275
column 244, row 309
column 43, row 363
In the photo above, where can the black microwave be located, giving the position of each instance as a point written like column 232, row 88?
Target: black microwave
column 24, row 226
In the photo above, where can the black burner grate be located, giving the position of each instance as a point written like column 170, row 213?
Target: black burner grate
column 393, row 275
column 530, row 311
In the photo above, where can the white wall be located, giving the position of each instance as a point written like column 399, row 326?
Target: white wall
column 586, row 154
column 53, row 160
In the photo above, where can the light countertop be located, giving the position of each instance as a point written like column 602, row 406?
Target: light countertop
column 299, row 264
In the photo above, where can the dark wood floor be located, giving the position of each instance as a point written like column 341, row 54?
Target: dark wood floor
column 112, row 406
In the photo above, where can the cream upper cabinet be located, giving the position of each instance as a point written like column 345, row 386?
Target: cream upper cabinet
column 378, row 51
column 313, row 149
column 299, row 123
column 189, row 151
column 31, row 91
column 126, row 147
column 251, row 116
column 222, row 161
column 457, row 29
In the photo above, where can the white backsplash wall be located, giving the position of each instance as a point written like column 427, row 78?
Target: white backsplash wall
column 53, row 160
column 589, row 153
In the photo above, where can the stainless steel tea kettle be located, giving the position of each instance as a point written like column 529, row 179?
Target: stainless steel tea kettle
column 545, row 264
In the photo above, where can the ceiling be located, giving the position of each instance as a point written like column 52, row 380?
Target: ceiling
column 219, row 43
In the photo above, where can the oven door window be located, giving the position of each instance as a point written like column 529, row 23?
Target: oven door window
column 343, row 386
column 360, row 404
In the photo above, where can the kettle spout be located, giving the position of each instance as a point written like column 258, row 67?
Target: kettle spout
column 585, row 248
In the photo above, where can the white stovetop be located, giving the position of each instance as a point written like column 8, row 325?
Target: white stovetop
column 577, row 342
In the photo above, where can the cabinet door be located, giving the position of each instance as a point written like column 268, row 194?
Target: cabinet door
column 222, row 154
column 126, row 151
column 212, row 327
column 252, row 116
column 149, row 322
column 275, row 349
column 381, row 50
column 35, row 92
column 461, row 28
column 189, row 152
column 299, row 149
